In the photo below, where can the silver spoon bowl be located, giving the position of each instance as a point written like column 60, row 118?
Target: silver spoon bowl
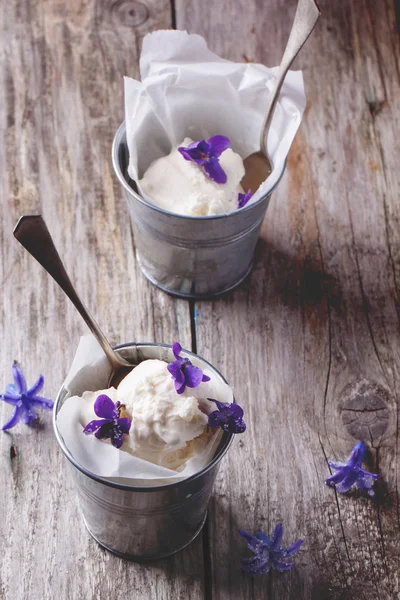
column 258, row 166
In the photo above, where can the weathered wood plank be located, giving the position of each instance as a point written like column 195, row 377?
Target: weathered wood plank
column 61, row 102
column 318, row 313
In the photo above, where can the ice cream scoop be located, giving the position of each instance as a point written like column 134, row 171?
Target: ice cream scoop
column 183, row 187
column 166, row 428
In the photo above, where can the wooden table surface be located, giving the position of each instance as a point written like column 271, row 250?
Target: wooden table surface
column 310, row 342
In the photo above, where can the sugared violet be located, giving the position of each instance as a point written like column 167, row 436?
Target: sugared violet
column 183, row 372
column 111, row 425
column 244, row 198
column 206, row 154
column 228, row 416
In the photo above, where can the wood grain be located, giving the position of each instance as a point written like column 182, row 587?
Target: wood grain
column 314, row 332
column 310, row 342
column 61, row 102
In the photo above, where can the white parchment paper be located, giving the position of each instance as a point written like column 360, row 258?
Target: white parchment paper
column 90, row 371
column 187, row 90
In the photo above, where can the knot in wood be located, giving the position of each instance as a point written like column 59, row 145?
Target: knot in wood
column 130, row 14
column 365, row 410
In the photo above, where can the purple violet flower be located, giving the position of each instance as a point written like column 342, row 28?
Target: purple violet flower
column 25, row 401
column 244, row 198
column 111, row 425
column 228, row 416
column 206, row 154
column 268, row 553
column 351, row 474
column 183, row 372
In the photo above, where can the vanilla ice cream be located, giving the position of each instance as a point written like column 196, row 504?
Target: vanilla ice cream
column 167, row 429
column 182, row 187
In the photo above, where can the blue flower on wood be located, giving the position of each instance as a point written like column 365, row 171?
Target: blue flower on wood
column 206, row 154
column 352, row 474
column 183, row 372
column 268, row 553
column 23, row 399
column 228, row 416
column 111, row 425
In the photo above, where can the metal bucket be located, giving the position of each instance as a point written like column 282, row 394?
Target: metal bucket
column 190, row 257
column 143, row 523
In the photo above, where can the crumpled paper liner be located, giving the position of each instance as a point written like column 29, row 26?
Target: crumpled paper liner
column 187, row 90
column 90, row 371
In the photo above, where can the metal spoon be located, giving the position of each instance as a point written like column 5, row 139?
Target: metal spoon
column 258, row 166
column 31, row 231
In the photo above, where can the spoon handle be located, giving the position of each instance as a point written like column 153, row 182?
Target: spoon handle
column 306, row 17
column 31, row 231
